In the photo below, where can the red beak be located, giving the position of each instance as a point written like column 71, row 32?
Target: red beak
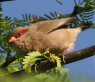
column 12, row 39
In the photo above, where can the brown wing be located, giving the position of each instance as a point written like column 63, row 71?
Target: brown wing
column 48, row 26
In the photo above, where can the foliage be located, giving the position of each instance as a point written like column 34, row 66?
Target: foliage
column 84, row 10
column 49, row 76
column 35, row 56
column 5, row 0
column 30, row 60
column 59, row 1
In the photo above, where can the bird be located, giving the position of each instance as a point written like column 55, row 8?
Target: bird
column 47, row 34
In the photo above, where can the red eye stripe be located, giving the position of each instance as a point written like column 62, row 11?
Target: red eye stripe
column 23, row 31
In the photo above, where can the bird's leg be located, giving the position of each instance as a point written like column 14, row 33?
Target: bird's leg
column 35, row 67
column 68, row 49
column 65, row 51
column 63, row 59
column 65, row 48
column 63, row 56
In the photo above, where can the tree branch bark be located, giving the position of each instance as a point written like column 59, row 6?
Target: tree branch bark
column 69, row 58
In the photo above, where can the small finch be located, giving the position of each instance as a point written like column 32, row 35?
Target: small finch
column 46, row 35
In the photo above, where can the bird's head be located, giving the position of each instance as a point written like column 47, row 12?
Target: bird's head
column 17, row 32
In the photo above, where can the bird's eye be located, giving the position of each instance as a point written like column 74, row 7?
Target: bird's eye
column 18, row 34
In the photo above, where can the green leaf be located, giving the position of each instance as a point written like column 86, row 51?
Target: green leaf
column 13, row 68
column 2, row 59
column 30, row 60
column 57, row 59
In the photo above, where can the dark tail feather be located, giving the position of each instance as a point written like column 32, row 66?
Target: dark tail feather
column 85, row 25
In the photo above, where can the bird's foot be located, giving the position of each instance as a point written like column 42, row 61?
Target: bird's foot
column 63, row 59
column 35, row 67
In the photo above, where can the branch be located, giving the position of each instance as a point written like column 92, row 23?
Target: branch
column 69, row 58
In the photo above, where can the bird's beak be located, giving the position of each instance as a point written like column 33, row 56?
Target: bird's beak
column 12, row 39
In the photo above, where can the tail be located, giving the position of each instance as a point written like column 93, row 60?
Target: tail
column 82, row 28
column 85, row 25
